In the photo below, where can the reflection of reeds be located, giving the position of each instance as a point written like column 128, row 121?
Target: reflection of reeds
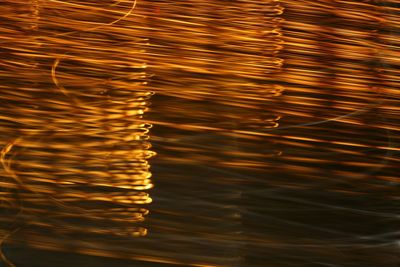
column 277, row 129
column 225, row 50
column 75, row 149
column 337, row 138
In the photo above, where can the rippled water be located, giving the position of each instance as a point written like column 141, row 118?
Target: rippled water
column 199, row 133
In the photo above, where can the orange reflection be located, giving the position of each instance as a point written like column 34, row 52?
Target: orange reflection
column 75, row 146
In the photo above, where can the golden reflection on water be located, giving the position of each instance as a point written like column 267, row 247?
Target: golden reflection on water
column 275, row 123
column 74, row 143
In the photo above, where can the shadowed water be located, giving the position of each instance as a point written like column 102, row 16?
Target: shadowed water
column 199, row 133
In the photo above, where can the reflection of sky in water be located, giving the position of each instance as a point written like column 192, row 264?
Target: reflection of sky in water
column 274, row 122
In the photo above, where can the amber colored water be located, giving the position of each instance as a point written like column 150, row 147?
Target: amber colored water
column 199, row 133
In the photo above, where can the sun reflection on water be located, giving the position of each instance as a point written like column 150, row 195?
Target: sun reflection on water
column 75, row 146
column 275, row 123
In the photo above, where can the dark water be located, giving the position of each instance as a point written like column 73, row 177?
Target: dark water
column 199, row 133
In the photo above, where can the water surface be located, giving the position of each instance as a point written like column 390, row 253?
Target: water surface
column 199, row 133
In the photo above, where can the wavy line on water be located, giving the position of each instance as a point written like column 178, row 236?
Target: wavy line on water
column 3, row 257
column 57, row 83
column 124, row 16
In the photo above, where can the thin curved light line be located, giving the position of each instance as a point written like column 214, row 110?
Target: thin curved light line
column 3, row 258
column 106, row 24
column 124, row 16
column 54, row 77
column 57, row 83
column 6, row 164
